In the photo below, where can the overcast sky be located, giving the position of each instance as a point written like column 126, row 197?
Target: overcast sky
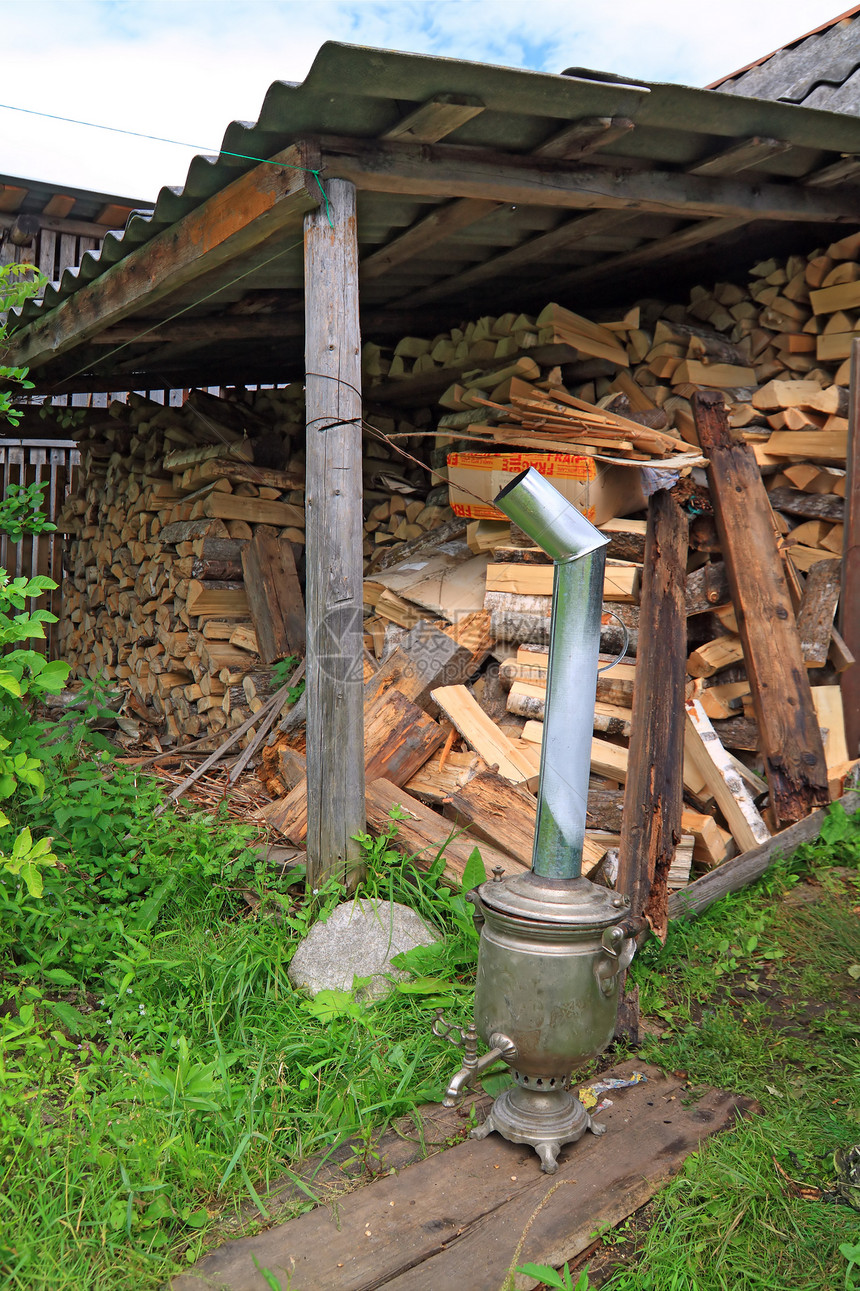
column 185, row 68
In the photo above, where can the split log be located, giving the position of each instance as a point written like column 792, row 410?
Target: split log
column 399, row 739
column 274, row 595
column 424, row 659
column 817, row 611
column 811, row 506
column 605, row 809
column 466, row 715
column 791, row 741
column 422, row 834
column 706, row 588
column 720, row 774
column 498, row 812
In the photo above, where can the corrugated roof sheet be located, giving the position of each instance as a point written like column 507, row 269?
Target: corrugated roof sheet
column 360, row 92
column 87, row 202
column 818, row 70
column 668, row 132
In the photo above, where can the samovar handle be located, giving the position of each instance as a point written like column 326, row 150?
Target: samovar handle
column 618, row 946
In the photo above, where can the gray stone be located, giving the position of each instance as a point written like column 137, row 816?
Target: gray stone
column 358, row 939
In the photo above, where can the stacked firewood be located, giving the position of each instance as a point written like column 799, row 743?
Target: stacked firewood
column 185, row 553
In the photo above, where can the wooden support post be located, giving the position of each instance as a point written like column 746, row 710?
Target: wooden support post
column 849, row 604
column 335, row 687
column 651, row 824
column 790, row 739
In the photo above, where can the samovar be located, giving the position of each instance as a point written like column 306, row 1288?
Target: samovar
column 552, row 944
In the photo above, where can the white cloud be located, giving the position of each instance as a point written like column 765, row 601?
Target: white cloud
column 185, row 69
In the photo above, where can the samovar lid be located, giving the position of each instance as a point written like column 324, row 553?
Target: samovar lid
column 567, row 901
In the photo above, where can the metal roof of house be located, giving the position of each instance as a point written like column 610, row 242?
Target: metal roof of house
column 480, row 188
column 818, row 70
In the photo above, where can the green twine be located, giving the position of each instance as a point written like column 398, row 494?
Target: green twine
column 155, row 138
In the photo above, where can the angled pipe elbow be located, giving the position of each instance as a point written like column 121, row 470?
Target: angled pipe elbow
column 577, row 549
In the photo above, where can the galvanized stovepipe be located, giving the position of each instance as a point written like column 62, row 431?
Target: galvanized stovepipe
column 578, row 552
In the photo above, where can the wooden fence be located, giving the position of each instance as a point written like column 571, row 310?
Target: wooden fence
column 36, row 461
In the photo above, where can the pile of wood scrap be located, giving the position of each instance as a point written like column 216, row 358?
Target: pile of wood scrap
column 458, row 778
column 763, row 345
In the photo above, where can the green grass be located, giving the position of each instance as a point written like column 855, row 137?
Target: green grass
column 758, row 999
column 157, row 1070
column 156, row 1066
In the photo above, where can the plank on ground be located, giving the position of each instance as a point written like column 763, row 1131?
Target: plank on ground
column 740, row 871
column 456, row 1219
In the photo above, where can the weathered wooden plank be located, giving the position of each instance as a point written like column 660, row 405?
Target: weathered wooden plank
column 653, row 795
column 448, row 171
column 742, row 870
column 270, row 198
column 790, row 739
column 849, row 604
column 274, row 595
column 455, row 1220
column 817, row 611
column 334, row 527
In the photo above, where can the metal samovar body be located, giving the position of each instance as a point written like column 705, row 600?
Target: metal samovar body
column 552, row 943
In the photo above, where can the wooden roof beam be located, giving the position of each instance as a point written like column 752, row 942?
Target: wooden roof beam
column 436, row 119
column 58, row 224
column 210, row 329
column 649, row 254
column 844, row 171
column 582, row 137
column 271, row 198
column 575, row 140
column 443, row 171
column 441, row 223
column 61, row 205
column 746, row 155
column 559, row 239
column 11, row 197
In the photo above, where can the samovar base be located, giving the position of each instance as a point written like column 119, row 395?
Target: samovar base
column 546, row 1119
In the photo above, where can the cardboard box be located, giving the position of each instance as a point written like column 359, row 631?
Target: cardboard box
column 598, row 490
